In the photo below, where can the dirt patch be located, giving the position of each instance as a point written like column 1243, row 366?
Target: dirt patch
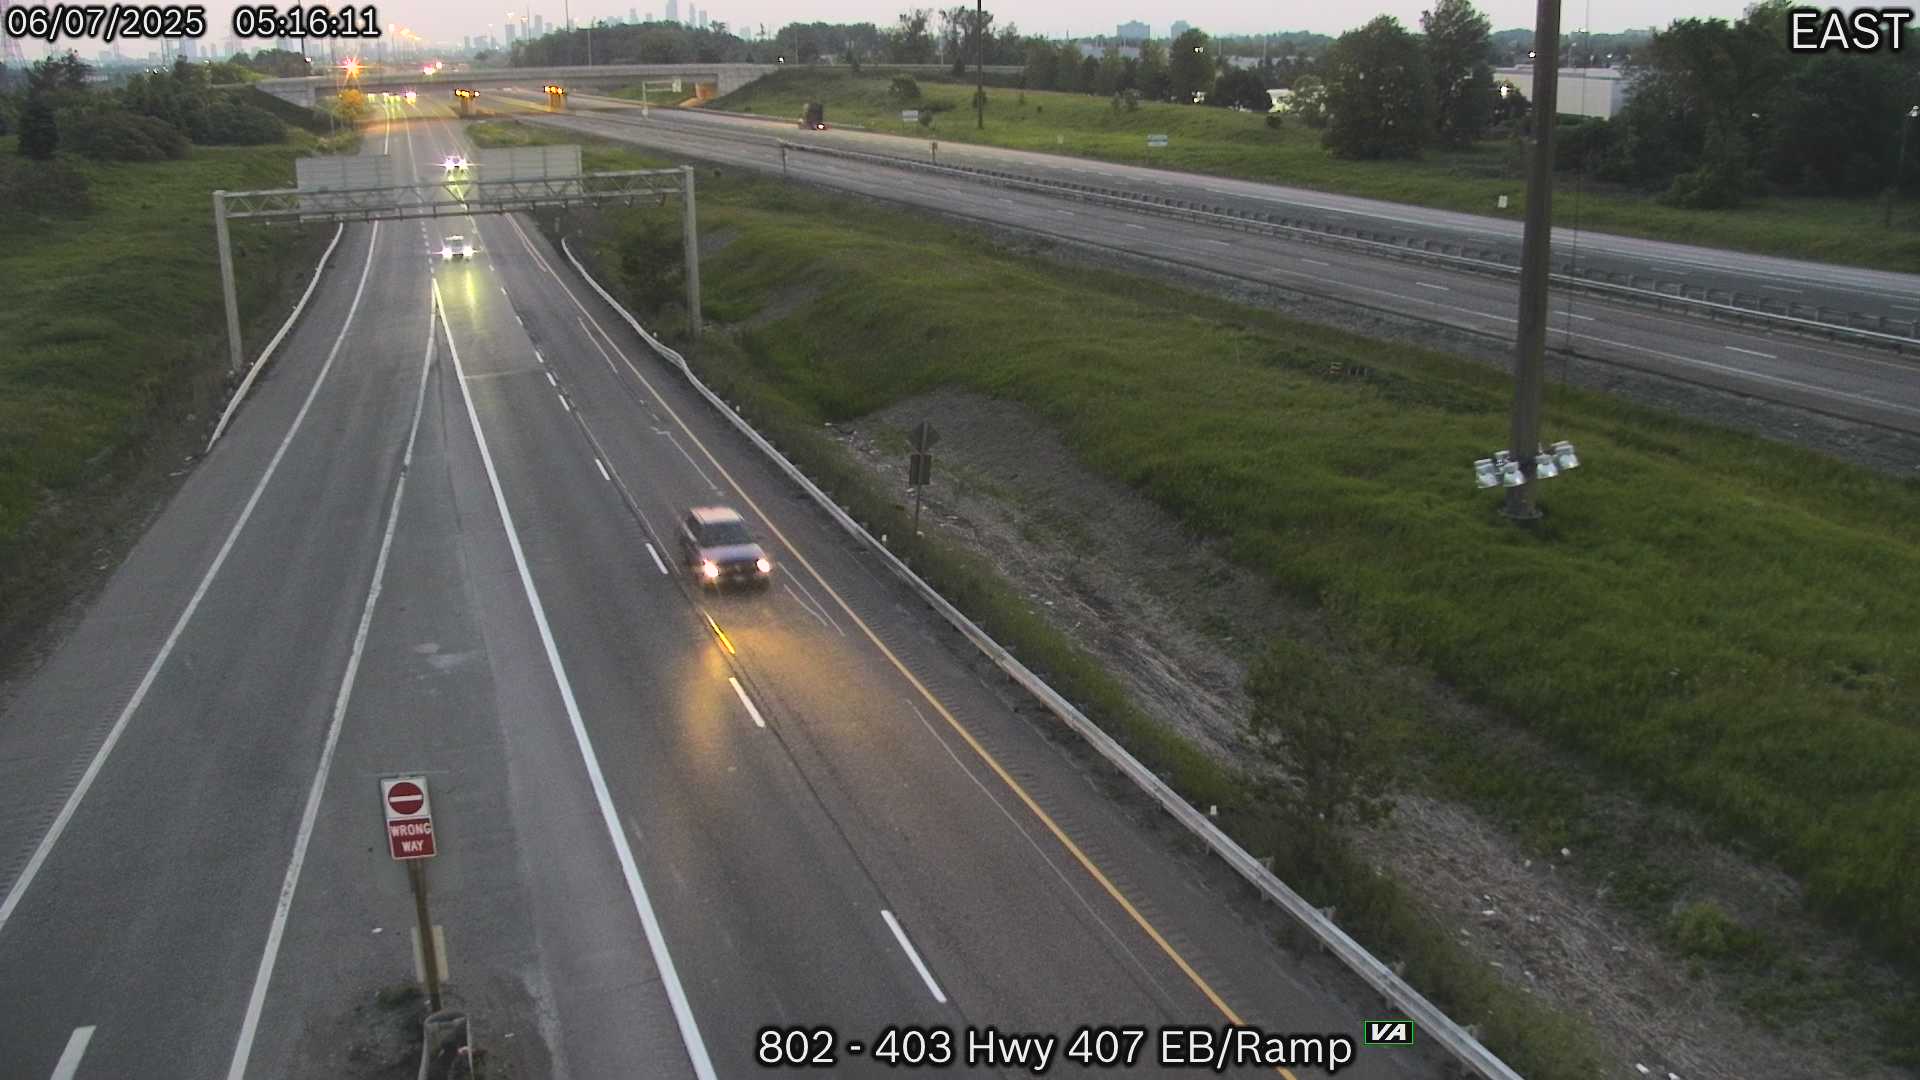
column 714, row 241
column 1177, row 624
column 783, row 302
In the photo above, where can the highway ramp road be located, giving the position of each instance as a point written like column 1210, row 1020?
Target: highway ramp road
column 1858, row 384
column 427, row 544
column 1870, row 292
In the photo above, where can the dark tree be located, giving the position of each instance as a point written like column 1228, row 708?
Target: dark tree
column 39, row 132
column 1458, row 62
column 1377, row 92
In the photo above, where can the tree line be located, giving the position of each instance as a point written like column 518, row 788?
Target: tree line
column 151, row 116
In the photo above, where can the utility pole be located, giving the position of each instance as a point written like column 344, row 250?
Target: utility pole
column 226, row 282
column 690, row 239
column 980, row 64
column 1530, row 342
column 1900, row 163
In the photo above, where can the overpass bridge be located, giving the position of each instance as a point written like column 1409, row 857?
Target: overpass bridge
column 702, row 80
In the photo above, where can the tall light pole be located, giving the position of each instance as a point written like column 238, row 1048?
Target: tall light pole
column 1900, row 163
column 1530, row 342
column 980, row 64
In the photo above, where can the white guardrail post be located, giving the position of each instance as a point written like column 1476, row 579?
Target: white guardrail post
column 1424, row 253
column 1464, row 1047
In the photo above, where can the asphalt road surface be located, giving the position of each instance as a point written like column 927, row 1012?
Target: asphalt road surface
column 1871, row 292
column 436, row 539
column 1860, row 384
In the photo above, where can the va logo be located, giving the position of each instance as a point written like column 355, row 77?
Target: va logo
column 1386, row 1033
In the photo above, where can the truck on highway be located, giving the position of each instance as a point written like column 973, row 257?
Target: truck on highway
column 816, row 117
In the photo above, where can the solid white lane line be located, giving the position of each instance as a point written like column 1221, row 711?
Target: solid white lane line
column 1431, row 285
column 906, row 946
column 629, row 869
column 1575, row 315
column 1314, row 262
column 602, row 466
column 1222, row 243
column 656, row 560
column 690, row 461
column 553, row 382
column 256, row 1003
column 596, row 344
column 292, row 317
column 60, row 822
column 69, row 1062
column 1131, row 225
column 804, row 606
column 1751, row 352
column 747, row 701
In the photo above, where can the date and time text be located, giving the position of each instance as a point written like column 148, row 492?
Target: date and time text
column 107, row 23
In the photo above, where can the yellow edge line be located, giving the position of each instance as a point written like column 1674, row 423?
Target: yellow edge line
column 993, row 763
column 1053, row 827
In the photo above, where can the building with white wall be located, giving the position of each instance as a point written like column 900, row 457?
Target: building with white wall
column 1596, row 92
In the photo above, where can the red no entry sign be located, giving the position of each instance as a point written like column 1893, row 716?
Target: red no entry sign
column 405, row 798
column 409, row 818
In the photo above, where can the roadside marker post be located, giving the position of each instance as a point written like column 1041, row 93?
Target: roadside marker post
column 409, row 823
column 920, row 466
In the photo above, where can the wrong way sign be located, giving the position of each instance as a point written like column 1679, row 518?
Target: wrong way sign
column 409, row 817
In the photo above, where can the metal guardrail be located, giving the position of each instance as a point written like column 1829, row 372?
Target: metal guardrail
column 1455, row 1039
column 1880, row 331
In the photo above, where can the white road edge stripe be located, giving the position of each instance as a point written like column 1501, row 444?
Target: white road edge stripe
column 60, row 822
column 656, row 560
column 1751, row 352
column 602, row 466
column 257, row 1002
column 906, row 946
column 69, row 1062
column 656, row 941
column 553, row 382
column 747, row 701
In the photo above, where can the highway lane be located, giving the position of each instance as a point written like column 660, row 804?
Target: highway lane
column 1872, row 292
column 1860, row 384
column 543, row 947
column 142, row 918
column 860, row 791
column 141, row 933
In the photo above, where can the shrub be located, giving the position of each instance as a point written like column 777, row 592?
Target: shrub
column 903, row 88
column 228, row 123
column 117, row 135
column 33, row 188
column 39, row 131
column 1275, row 121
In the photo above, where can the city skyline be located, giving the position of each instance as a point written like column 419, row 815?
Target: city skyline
column 445, row 23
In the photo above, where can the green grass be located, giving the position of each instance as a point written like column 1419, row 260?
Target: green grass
column 1228, row 143
column 1719, row 620
column 112, row 319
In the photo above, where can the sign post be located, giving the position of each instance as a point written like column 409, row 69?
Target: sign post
column 403, row 799
column 909, row 116
column 920, row 466
column 1153, row 141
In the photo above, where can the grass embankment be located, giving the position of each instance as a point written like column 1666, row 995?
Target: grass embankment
column 1720, row 622
column 114, row 336
column 1227, row 143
